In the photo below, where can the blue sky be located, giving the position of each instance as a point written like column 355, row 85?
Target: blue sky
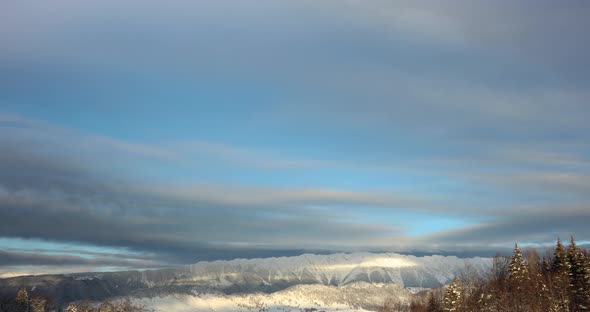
column 147, row 134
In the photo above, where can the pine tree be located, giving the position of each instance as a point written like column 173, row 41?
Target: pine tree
column 538, row 295
column 22, row 298
column 560, row 269
column 518, row 272
column 452, row 300
column 560, row 264
column 518, row 280
column 579, row 287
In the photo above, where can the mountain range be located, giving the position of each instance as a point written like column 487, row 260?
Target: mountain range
column 253, row 276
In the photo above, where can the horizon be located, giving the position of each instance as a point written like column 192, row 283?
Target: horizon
column 504, row 253
column 140, row 135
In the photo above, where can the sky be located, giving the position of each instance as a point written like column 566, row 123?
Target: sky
column 146, row 134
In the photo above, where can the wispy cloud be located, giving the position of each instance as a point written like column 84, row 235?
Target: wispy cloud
column 9, row 258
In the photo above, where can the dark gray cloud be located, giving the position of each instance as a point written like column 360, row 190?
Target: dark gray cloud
column 53, row 198
column 8, row 258
column 82, row 252
column 538, row 226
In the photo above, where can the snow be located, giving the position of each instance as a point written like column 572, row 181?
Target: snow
column 324, row 282
column 338, row 269
column 83, row 278
column 354, row 297
column 416, row 290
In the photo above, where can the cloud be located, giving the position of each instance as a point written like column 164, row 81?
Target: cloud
column 10, row 271
column 537, row 226
column 85, row 253
column 53, row 198
column 472, row 111
column 182, row 223
column 190, row 227
column 266, row 38
column 8, row 258
column 426, row 70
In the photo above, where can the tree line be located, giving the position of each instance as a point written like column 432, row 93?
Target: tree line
column 36, row 303
column 525, row 282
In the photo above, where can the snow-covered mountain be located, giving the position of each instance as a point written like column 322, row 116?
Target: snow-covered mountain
column 248, row 276
column 333, row 269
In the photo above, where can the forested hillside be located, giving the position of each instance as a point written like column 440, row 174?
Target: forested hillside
column 558, row 281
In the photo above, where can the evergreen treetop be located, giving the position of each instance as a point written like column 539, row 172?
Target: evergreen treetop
column 452, row 300
column 579, row 278
column 560, row 264
column 518, row 270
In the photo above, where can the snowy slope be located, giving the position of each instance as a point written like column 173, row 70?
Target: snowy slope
column 334, row 269
column 358, row 296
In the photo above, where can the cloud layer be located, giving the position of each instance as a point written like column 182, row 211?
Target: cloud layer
column 230, row 129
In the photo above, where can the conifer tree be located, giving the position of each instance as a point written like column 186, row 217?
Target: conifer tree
column 538, row 295
column 560, row 264
column 22, row 298
column 519, row 280
column 518, row 272
column 452, row 301
column 579, row 275
column 544, row 289
column 560, row 269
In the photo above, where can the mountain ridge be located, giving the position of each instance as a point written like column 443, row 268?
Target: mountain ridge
column 265, row 275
